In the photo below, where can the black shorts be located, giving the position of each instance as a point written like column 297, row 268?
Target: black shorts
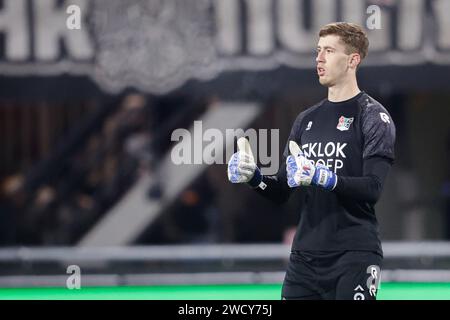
column 343, row 275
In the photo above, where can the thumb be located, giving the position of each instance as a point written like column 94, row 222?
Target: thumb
column 294, row 148
column 244, row 146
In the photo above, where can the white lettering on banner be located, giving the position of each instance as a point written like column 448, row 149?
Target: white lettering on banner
column 228, row 36
column 379, row 38
column 259, row 25
column 441, row 9
column 351, row 10
column 411, row 24
column 51, row 28
column 291, row 24
column 156, row 46
column 14, row 24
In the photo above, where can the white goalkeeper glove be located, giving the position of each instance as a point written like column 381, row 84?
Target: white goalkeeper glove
column 242, row 167
column 302, row 172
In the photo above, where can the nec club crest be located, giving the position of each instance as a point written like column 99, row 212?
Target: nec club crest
column 344, row 123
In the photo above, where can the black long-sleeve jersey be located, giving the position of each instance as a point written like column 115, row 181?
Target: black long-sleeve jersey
column 354, row 138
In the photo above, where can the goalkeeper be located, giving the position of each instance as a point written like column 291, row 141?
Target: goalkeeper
column 339, row 153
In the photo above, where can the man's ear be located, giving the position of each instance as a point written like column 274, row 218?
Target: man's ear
column 355, row 60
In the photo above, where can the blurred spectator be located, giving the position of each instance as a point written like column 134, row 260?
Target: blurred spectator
column 12, row 203
column 92, row 179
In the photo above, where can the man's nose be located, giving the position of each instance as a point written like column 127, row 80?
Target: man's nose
column 319, row 57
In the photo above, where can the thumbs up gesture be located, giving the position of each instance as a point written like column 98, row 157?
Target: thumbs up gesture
column 303, row 172
column 299, row 169
column 242, row 166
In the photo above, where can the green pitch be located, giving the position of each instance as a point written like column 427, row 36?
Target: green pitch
column 387, row 291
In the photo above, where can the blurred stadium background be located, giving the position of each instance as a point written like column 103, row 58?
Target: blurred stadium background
column 87, row 115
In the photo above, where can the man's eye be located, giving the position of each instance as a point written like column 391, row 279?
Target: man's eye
column 329, row 51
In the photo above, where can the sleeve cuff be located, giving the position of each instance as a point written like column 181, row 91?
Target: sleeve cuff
column 335, row 183
column 256, row 179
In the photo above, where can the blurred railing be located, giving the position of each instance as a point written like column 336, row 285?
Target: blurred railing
column 199, row 264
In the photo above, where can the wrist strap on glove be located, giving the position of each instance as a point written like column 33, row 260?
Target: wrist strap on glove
column 324, row 178
column 256, row 180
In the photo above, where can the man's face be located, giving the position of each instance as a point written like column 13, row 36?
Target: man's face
column 333, row 63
